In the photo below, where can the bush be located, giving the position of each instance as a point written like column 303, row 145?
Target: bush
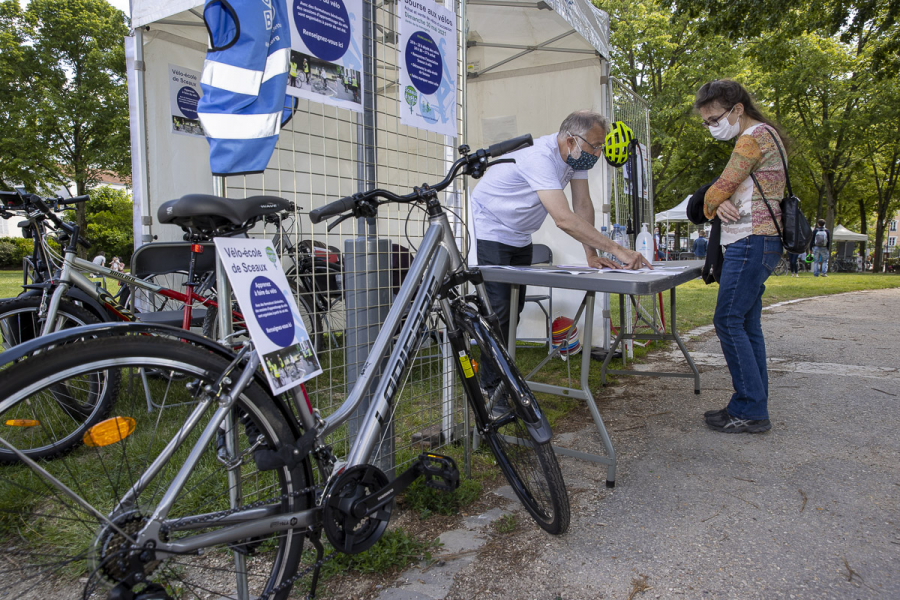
column 12, row 251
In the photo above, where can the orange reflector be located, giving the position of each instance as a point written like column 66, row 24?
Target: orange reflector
column 197, row 248
column 109, row 432
column 23, row 423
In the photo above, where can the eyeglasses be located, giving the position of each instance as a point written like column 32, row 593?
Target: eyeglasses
column 593, row 147
column 715, row 120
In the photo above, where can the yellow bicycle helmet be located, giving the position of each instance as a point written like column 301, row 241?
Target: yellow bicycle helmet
column 617, row 142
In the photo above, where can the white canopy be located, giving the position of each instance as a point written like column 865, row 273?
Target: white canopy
column 842, row 234
column 678, row 213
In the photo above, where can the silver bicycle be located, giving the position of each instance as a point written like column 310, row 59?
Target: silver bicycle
column 215, row 494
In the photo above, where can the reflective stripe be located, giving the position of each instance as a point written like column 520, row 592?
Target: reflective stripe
column 244, row 81
column 240, row 127
column 278, row 62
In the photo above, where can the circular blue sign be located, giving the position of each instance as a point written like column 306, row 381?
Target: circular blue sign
column 324, row 26
column 424, row 63
column 187, row 99
column 272, row 311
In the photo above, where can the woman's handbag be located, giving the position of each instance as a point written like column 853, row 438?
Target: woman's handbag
column 797, row 234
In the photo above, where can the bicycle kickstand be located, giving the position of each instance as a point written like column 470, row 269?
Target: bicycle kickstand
column 320, row 552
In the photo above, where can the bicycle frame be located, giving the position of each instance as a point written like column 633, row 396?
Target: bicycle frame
column 437, row 257
column 71, row 276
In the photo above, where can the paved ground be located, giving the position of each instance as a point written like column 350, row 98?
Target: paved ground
column 807, row 510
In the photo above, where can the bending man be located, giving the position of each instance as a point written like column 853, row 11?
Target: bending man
column 512, row 201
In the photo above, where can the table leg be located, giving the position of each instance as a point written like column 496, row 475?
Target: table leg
column 677, row 338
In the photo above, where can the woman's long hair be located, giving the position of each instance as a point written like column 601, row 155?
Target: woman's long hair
column 728, row 93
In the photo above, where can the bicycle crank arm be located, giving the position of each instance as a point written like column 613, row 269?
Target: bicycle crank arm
column 440, row 473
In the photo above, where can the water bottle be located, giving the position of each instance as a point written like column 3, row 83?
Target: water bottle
column 644, row 243
column 605, row 232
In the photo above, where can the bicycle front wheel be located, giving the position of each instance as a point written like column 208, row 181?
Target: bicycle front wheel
column 530, row 466
column 53, row 541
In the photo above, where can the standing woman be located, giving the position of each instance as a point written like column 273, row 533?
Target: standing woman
column 750, row 243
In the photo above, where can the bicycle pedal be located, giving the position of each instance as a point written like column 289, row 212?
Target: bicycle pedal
column 440, row 472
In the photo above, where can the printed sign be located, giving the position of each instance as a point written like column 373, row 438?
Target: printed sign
column 326, row 57
column 427, row 60
column 184, row 93
column 270, row 311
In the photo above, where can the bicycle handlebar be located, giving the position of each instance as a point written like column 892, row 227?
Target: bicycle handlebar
column 73, row 200
column 476, row 161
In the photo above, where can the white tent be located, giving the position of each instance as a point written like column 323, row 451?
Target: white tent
column 678, row 213
column 842, row 234
column 529, row 65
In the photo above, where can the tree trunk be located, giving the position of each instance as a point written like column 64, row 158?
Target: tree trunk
column 830, row 200
column 878, row 254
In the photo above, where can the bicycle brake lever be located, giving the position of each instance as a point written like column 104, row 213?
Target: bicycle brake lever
column 338, row 221
column 501, row 160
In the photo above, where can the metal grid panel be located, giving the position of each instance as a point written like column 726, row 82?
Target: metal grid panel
column 325, row 153
column 627, row 106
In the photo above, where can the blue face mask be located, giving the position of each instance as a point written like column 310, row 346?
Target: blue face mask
column 584, row 162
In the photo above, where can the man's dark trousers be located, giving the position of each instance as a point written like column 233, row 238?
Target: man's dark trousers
column 497, row 253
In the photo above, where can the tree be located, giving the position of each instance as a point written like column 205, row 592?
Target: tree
column 75, row 71
column 883, row 161
column 22, row 160
column 109, row 222
column 665, row 60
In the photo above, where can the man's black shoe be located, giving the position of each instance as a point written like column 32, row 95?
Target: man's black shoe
column 722, row 421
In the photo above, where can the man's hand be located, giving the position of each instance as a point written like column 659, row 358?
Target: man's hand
column 632, row 259
column 598, row 262
column 727, row 211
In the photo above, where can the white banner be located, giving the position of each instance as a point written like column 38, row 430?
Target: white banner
column 270, row 311
column 427, row 57
column 326, row 52
column 184, row 93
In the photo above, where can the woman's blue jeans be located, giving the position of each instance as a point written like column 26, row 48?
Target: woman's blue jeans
column 748, row 263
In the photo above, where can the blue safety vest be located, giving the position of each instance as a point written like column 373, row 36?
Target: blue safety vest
column 244, row 80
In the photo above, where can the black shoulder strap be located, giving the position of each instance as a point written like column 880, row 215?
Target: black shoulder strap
column 769, row 206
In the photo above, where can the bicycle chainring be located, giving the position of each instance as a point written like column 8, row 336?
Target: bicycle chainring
column 344, row 531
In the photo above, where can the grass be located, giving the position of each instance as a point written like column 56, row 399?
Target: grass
column 696, row 304
column 10, row 283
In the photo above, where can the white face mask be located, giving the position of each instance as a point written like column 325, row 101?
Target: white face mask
column 723, row 130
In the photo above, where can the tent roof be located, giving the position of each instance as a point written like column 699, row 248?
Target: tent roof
column 842, row 234
column 678, row 213
column 144, row 12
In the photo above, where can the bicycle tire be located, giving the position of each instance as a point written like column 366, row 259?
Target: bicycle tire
column 529, row 466
column 781, row 268
column 36, row 515
column 50, row 426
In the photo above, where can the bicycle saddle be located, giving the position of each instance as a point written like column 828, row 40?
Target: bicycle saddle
column 208, row 214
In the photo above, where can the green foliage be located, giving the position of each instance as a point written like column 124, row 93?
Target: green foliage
column 109, row 223
column 64, row 96
column 395, row 550
column 506, row 524
column 12, row 251
column 426, row 500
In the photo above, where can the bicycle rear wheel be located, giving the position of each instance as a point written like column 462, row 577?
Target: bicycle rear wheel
column 530, row 466
column 52, row 542
column 53, row 422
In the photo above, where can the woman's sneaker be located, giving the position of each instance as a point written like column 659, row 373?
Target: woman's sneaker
column 721, row 420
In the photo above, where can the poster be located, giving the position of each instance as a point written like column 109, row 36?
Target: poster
column 270, row 311
column 184, row 93
column 427, row 59
column 326, row 52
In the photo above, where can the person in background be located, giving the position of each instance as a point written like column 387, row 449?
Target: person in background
column 306, row 69
column 821, row 247
column 751, row 244
column 117, row 265
column 512, row 201
column 100, row 259
column 699, row 247
column 795, row 263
